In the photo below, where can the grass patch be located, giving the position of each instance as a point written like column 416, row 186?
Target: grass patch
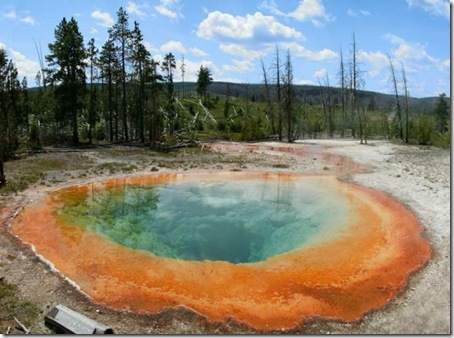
column 116, row 167
column 12, row 306
column 20, row 181
column 281, row 166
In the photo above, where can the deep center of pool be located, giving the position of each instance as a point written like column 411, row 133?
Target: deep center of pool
column 235, row 221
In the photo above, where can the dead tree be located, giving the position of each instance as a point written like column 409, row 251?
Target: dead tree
column 406, row 105
column 270, row 112
column 396, row 93
column 277, row 67
column 356, row 81
column 343, row 86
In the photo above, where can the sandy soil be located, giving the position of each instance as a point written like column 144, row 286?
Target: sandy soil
column 418, row 177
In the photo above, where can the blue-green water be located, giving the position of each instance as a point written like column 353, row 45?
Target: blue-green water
column 236, row 221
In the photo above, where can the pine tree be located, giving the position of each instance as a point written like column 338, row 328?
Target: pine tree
column 442, row 113
column 168, row 65
column 204, row 79
column 120, row 32
column 67, row 70
column 139, row 57
column 92, row 52
column 107, row 63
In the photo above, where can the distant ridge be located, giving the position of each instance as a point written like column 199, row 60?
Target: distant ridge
column 311, row 94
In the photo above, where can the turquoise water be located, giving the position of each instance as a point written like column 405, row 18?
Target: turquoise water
column 236, row 221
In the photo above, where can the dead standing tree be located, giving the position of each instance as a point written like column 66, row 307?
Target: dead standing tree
column 356, row 82
column 343, row 93
column 396, row 93
column 270, row 110
column 406, row 104
column 327, row 106
column 277, row 68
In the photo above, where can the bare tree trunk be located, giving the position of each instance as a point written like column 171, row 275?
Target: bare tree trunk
column 268, row 100
column 396, row 93
column 278, row 83
column 289, row 96
column 356, row 83
column 343, row 94
column 404, row 79
column 123, row 87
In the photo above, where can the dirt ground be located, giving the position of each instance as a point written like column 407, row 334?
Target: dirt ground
column 419, row 177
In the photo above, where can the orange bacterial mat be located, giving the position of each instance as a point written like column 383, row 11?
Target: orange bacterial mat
column 360, row 268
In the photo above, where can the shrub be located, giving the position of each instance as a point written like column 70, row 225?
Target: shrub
column 34, row 141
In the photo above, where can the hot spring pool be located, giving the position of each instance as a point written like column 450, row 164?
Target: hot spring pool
column 270, row 250
column 238, row 221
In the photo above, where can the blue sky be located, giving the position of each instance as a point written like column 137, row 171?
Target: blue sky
column 231, row 36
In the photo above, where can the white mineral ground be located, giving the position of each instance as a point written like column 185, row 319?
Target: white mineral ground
column 419, row 177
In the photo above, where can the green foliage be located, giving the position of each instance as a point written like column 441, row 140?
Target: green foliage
column 442, row 113
column 100, row 133
column 442, row 140
column 35, row 142
column 67, row 70
column 204, row 79
column 424, row 127
column 253, row 130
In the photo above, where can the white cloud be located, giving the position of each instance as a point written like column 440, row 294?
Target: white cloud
column 307, row 10
column 433, row 7
column 229, row 79
column 223, row 25
column 25, row 67
column 105, row 18
column 394, row 39
column 198, row 52
column 304, row 82
column 238, row 50
column 193, row 67
column 170, row 8
column 311, row 10
column 173, row 46
column 271, row 6
column 377, row 62
column 239, row 66
column 320, row 74
column 10, row 15
column 301, row 51
column 150, row 47
column 27, row 19
column 93, row 31
column 136, row 9
column 413, row 54
column 445, row 65
column 362, row 12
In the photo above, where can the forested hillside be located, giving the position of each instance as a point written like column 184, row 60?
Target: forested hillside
column 117, row 93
